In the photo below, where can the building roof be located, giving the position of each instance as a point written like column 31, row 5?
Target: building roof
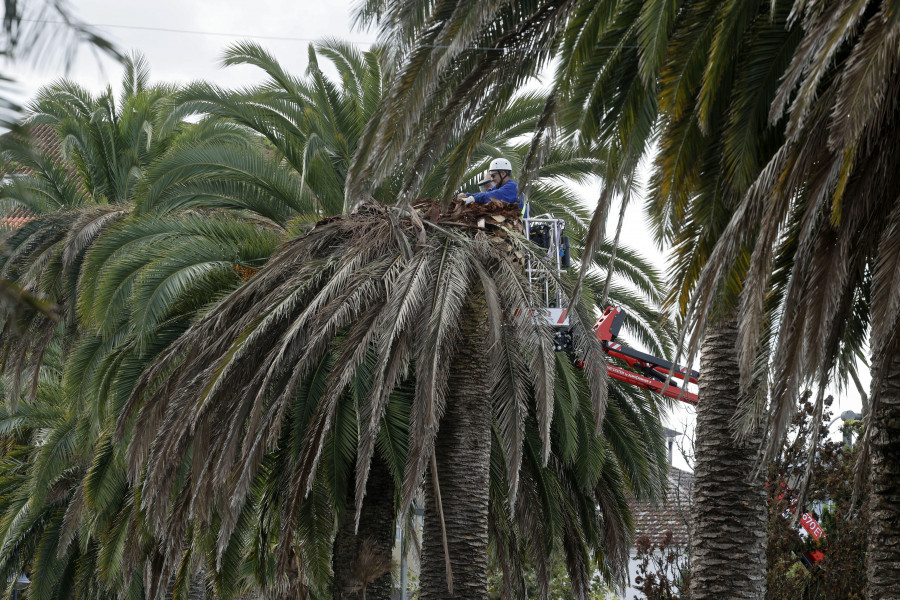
column 672, row 515
column 15, row 219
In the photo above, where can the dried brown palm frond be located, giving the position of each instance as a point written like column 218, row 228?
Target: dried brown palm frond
column 369, row 565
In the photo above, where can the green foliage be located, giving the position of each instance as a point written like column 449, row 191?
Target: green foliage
column 560, row 587
column 841, row 574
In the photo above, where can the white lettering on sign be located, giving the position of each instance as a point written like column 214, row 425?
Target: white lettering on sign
column 810, row 525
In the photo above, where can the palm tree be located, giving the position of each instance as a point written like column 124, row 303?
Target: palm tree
column 77, row 194
column 73, row 199
column 167, row 267
column 826, row 204
column 362, row 287
column 137, row 288
column 718, row 76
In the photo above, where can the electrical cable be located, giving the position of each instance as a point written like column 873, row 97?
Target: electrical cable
column 259, row 37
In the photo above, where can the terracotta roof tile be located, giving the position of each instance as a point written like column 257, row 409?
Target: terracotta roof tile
column 44, row 138
column 672, row 515
column 14, row 222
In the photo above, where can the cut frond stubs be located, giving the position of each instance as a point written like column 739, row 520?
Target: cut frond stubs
column 494, row 213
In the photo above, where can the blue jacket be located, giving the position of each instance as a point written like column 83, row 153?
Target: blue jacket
column 508, row 192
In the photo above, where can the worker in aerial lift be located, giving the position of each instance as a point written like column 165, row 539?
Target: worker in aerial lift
column 505, row 189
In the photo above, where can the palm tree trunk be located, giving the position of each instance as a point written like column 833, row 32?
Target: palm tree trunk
column 462, row 453
column 883, row 575
column 728, row 529
column 376, row 524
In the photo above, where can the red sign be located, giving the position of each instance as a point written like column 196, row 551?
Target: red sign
column 811, row 526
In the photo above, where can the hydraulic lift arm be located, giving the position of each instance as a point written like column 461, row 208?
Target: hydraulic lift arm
column 654, row 371
column 645, row 371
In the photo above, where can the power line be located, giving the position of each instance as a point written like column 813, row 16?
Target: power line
column 187, row 31
column 272, row 37
column 236, row 35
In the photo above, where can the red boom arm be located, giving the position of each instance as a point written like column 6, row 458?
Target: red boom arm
column 654, row 371
column 655, row 374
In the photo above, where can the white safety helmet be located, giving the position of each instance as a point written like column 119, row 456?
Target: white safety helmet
column 500, row 164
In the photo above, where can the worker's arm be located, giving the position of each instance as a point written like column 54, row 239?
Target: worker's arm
column 508, row 192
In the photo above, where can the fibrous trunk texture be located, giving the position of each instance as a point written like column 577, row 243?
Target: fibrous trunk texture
column 728, row 541
column 883, row 575
column 462, row 451
column 376, row 524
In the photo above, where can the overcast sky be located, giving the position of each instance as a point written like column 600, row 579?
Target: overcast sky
column 184, row 40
